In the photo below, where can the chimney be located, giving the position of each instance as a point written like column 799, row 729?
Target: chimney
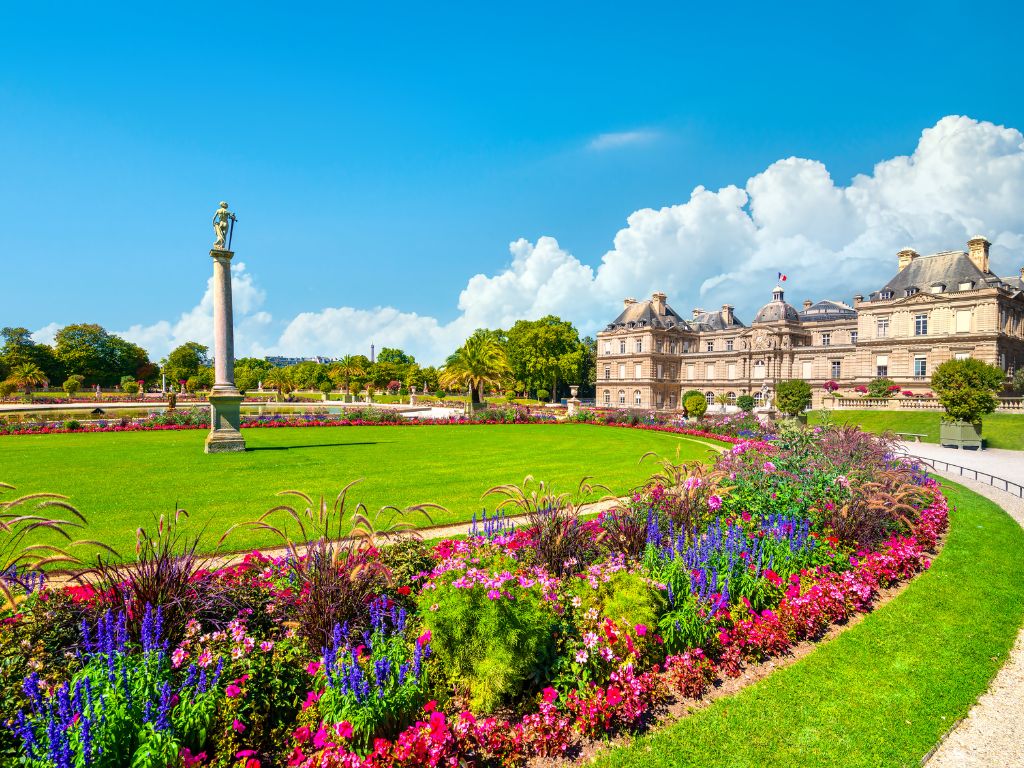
column 857, row 299
column 904, row 257
column 658, row 301
column 727, row 314
column 627, row 303
column 977, row 250
column 697, row 311
column 808, row 304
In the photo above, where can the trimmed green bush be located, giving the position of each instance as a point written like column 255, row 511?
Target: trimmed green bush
column 967, row 389
column 543, row 394
column 793, row 397
column 696, row 406
column 745, row 403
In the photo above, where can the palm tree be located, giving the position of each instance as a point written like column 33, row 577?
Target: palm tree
column 722, row 400
column 27, row 375
column 479, row 362
column 280, row 380
column 346, row 369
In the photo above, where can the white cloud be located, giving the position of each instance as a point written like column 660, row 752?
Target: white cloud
column 605, row 141
column 720, row 246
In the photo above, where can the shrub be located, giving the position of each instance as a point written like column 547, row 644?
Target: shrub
column 625, row 531
column 745, row 403
column 7, row 388
column 72, row 425
column 692, row 393
column 626, row 598
column 543, row 394
column 696, row 406
column 131, row 388
column 830, row 386
column 793, row 396
column 967, row 389
column 73, row 384
column 490, row 635
column 879, row 387
column 1018, row 381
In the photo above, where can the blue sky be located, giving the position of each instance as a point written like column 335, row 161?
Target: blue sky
column 381, row 158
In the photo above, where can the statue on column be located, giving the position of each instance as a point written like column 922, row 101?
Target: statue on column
column 223, row 227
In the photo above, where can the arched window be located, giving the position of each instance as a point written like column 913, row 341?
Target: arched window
column 710, row 397
column 758, row 399
column 622, row 397
column 607, row 397
column 732, row 398
column 636, row 397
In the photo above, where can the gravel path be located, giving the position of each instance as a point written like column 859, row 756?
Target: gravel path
column 992, row 734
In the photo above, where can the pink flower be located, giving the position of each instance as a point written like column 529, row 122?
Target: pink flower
column 303, row 734
column 344, row 729
column 641, row 630
column 177, row 656
column 313, row 667
column 245, row 753
column 424, row 638
column 430, row 706
column 714, row 502
column 614, row 695
column 550, row 695
column 768, row 467
column 238, row 725
column 232, row 691
column 188, row 759
column 438, row 726
column 320, row 740
column 493, row 594
column 312, row 697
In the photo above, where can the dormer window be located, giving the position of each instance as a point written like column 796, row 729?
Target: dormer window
column 885, row 295
column 910, row 291
column 938, row 287
column 966, row 285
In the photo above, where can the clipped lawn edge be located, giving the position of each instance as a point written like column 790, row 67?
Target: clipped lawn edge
column 884, row 691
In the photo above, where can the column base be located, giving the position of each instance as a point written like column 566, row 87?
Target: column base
column 225, row 420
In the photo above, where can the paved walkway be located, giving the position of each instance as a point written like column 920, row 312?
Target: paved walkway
column 992, row 734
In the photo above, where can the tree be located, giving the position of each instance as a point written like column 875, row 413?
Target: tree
column 967, row 389
column 19, row 348
column 309, row 375
column 279, row 380
column 185, row 361
column 478, row 363
column 745, row 403
column 250, row 371
column 345, row 370
column 395, row 357
column 686, row 398
column 100, row 357
column 26, row 376
column 200, row 380
column 695, row 405
column 793, row 397
column 1018, row 381
column 546, row 351
column 72, row 384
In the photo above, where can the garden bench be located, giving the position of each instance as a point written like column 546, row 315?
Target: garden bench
column 917, row 436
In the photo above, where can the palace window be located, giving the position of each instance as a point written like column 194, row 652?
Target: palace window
column 661, row 373
column 607, row 397
column 837, row 369
column 622, row 397
column 730, row 371
column 882, row 365
column 622, row 371
column 636, row 397
column 710, row 373
column 966, row 285
column 659, row 345
column 691, row 371
column 732, row 398
column 728, row 345
column 639, row 345
column 607, row 372
column 758, row 398
column 671, row 401
column 921, row 324
column 711, row 346
column 886, row 295
column 710, row 397
column 622, row 346
column 759, row 369
column 671, row 347
column 882, row 327
column 826, row 339
column 920, row 367
column 962, row 356
column 853, row 337
column 807, row 370
column 638, row 371
column 661, row 399
column 607, row 347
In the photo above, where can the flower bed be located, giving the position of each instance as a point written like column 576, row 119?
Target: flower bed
column 507, row 645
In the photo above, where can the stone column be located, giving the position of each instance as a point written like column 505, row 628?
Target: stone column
column 225, row 399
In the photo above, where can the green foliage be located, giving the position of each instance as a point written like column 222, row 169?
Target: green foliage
column 627, row 598
column 543, row 352
column 1018, row 381
column 131, row 388
column 18, row 348
column 490, row 648
column 696, row 406
column 793, row 396
column 101, row 357
column 480, row 362
column 745, row 403
column 185, row 361
column 880, row 387
column 543, row 394
column 7, row 388
column 27, row 376
column 200, row 380
column 967, row 389
column 394, row 356
column 72, row 384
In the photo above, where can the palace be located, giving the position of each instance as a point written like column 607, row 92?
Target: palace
column 935, row 308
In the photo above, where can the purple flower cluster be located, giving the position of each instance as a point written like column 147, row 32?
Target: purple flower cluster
column 491, row 527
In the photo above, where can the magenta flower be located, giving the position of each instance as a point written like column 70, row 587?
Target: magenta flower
column 238, row 726
column 550, row 695
column 232, row 691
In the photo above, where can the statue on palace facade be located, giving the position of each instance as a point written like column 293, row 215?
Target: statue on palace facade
column 223, row 227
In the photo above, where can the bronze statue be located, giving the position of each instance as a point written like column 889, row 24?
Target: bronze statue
column 224, row 226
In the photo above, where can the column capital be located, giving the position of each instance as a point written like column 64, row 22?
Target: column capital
column 219, row 253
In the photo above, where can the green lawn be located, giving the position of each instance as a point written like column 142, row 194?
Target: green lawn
column 122, row 480
column 885, row 691
column 1000, row 430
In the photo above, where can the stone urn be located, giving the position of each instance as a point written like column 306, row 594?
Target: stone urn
column 573, row 403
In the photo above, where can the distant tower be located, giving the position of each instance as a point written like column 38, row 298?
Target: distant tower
column 373, row 357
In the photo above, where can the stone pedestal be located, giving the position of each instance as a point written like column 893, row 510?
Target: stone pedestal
column 573, row 403
column 225, row 399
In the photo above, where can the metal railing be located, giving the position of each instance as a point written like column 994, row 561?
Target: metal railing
column 1000, row 483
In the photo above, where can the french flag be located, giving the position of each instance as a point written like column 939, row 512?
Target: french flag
column 782, row 278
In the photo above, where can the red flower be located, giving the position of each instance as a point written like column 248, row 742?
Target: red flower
column 303, row 734
column 614, row 695
column 438, row 726
column 430, row 706
column 404, row 590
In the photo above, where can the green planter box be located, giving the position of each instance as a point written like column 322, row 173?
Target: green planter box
column 960, row 434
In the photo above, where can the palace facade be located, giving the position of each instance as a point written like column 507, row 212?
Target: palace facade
column 935, row 308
